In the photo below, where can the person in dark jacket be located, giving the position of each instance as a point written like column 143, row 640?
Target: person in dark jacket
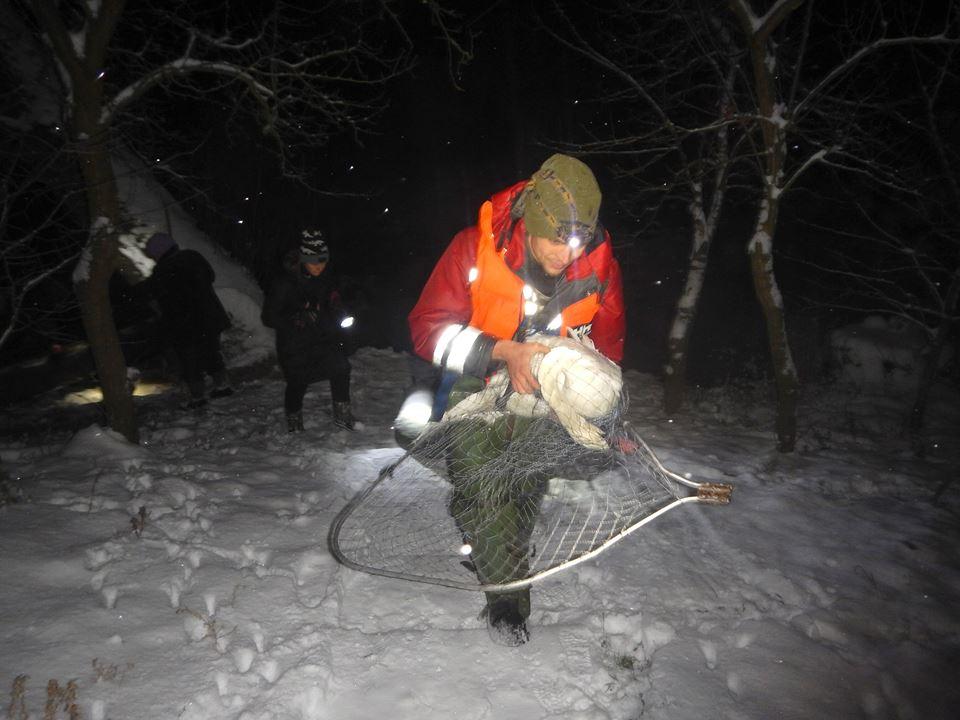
column 305, row 307
column 191, row 315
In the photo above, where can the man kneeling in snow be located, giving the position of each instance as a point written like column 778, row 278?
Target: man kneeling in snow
column 536, row 261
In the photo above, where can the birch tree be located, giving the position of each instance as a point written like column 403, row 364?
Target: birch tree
column 669, row 70
column 758, row 31
column 706, row 84
column 806, row 102
column 299, row 72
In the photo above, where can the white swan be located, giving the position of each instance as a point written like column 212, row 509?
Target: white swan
column 577, row 384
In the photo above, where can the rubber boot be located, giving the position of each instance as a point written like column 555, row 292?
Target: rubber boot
column 295, row 422
column 505, row 623
column 197, row 400
column 221, row 386
column 342, row 416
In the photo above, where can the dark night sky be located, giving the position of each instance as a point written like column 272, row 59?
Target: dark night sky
column 442, row 147
column 439, row 150
column 444, row 144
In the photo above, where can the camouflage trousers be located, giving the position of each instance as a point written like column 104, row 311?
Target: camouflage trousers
column 496, row 496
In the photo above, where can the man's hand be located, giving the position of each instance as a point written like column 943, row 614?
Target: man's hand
column 517, row 356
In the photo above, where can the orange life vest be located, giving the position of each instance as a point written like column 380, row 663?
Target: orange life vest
column 496, row 291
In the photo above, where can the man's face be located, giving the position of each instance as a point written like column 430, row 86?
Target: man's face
column 553, row 254
column 315, row 268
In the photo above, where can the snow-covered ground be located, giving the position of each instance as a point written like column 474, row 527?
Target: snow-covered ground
column 829, row 588
column 189, row 577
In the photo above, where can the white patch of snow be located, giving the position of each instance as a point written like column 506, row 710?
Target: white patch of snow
column 79, row 42
column 761, row 241
column 881, row 353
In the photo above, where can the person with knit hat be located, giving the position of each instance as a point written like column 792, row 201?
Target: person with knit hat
column 537, row 261
column 305, row 306
column 191, row 315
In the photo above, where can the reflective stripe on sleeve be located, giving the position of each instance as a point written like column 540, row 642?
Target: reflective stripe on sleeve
column 460, row 348
column 443, row 342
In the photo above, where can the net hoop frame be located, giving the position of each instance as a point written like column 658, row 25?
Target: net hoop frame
column 707, row 493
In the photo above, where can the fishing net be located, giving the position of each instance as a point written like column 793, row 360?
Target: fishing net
column 510, row 488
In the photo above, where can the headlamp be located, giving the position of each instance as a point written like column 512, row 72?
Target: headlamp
column 575, row 234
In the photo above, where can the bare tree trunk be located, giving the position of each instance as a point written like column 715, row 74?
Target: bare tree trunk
column 704, row 228
column 768, row 295
column 678, row 342
column 93, row 294
column 760, row 249
column 100, row 262
column 785, row 373
column 81, row 58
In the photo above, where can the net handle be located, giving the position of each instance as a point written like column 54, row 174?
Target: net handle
column 707, row 492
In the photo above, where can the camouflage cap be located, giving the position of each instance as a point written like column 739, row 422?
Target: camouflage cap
column 562, row 199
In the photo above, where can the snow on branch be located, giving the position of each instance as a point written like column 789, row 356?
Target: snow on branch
column 760, row 28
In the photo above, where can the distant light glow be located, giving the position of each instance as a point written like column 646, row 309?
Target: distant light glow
column 347, row 322
column 239, row 222
column 386, row 210
column 101, row 74
column 95, row 394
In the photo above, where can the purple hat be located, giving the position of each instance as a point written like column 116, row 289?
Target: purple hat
column 159, row 245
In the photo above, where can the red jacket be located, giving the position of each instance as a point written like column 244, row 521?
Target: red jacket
column 440, row 321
